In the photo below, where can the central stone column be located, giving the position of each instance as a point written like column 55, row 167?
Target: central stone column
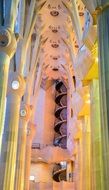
column 9, row 144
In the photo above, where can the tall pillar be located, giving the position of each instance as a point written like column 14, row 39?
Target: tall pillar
column 8, row 46
column 86, row 153
column 25, row 113
column 7, row 49
column 96, row 141
column 9, row 144
column 77, row 180
column 100, row 8
column 30, row 135
column 81, row 169
column 103, row 30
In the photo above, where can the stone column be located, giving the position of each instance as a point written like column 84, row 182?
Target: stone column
column 86, row 153
column 30, row 135
column 8, row 46
column 96, row 141
column 100, row 8
column 9, row 144
column 25, row 113
column 77, row 165
column 7, row 49
column 103, row 30
column 81, row 169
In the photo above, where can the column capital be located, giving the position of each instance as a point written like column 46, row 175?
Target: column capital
column 100, row 9
column 16, row 84
column 8, row 41
column 26, row 111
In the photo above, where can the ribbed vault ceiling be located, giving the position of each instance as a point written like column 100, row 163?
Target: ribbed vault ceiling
column 60, row 24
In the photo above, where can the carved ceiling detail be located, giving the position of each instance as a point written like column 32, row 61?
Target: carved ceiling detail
column 58, row 34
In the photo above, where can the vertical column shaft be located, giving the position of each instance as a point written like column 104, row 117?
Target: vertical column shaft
column 10, row 136
column 96, row 141
column 20, row 161
column 4, row 67
column 7, row 49
column 30, row 136
column 86, row 154
column 21, row 147
column 103, row 30
column 9, row 146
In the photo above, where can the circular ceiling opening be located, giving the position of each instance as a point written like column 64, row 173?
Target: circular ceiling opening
column 54, row 31
column 55, row 45
column 55, row 69
column 54, row 13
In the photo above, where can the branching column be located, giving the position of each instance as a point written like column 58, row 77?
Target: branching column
column 8, row 46
column 7, row 49
column 9, row 145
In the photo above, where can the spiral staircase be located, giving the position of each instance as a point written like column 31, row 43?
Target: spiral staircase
column 60, row 126
column 59, row 173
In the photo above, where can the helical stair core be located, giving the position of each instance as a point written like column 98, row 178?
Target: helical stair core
column 59, row 173
column 61, row 115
